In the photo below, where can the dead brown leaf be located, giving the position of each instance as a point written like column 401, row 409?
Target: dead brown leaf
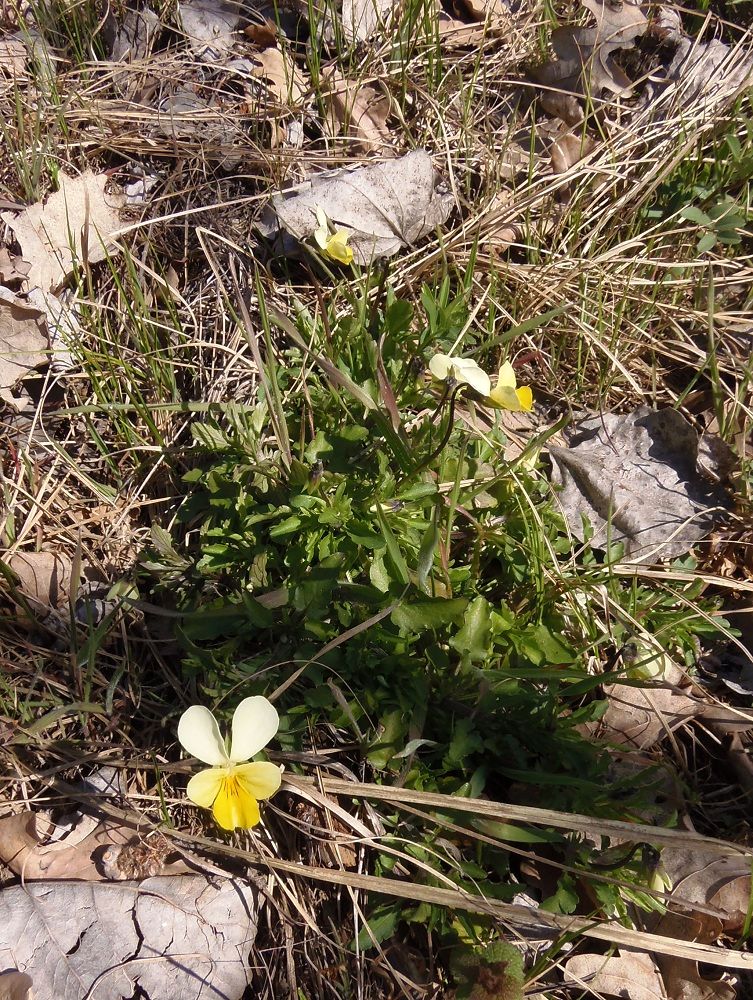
column 632, row 974
column 45, row 577
column 642, row 715
column 15, row 985
column 283, row 76
column 357, row 111
column 12, row 268
column 75, row 225
column 569, row 149
column 684, row 981
column 23, row 343
column 96, row 849
column 13, row 57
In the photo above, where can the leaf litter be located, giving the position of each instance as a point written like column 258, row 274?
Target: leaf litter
column 383, row 207
column 386, row 209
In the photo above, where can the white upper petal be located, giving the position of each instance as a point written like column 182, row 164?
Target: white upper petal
column 468, row 371
column 440, row 365
column 254, row 724
column 199, row 736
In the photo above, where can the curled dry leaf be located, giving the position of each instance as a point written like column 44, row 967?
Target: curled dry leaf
column 584, row 66
column 209, row 26
column 357, row 111
column 12, row 57
column 44, row 577
column 92, row 850
column 174, row 937
column 283, row 76
column 631, row 974
column 640, row 716
column 362, row 19
column 382, row 207
column 75, row 225
column 633, row 477
column 23, row 342
column 15, row 986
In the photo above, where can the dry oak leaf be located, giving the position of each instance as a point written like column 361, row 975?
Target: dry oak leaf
column 383, row 206
column 285, row 79
column 13, row 57
column 584, row 64
column 684, row 981
column 634, row 477
column 362, row 19
column 45, row 576
column 175, row 937
column 357, row 111
column 640, row 715
column 632, row 974
column 23, row 850
column 15, row 986
column 23, row 342
column 75, row 225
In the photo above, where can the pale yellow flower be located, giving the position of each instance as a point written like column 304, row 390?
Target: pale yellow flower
column 463, row 370
column 230, row 787
column 333, row 245
column 506, row 395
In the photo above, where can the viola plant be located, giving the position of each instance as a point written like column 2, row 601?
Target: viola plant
column 231, row 787
column 506, row 395
column 333, row 245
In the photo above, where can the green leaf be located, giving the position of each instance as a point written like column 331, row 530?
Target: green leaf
column 393, row 549
column 465, row 742
column 565, row 899
column 429, row 613
column 694, row 214
column 426, row 553
column 707, row 242
column 473, row 640
column 380, row 926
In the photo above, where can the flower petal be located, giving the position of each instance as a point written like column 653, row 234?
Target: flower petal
column 338, row 249
column 255, row 722
column 199, row 735
column 525, row 397
column 505, row 398
column 469, row 372
column 321, row 235
column 506, row 375
column 259, row 778
column 234, row 807
column 440, row 366
column 204, row 786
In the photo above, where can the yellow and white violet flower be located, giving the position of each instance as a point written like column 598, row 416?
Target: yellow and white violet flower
column 506, row 395
column 333, row 245
column 230, row 787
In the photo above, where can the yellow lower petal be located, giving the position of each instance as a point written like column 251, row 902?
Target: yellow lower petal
column 234, row 808
column 204, row 786
column 525, row 397
column 259, row 778
column 505, row 398
column 338, row 249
